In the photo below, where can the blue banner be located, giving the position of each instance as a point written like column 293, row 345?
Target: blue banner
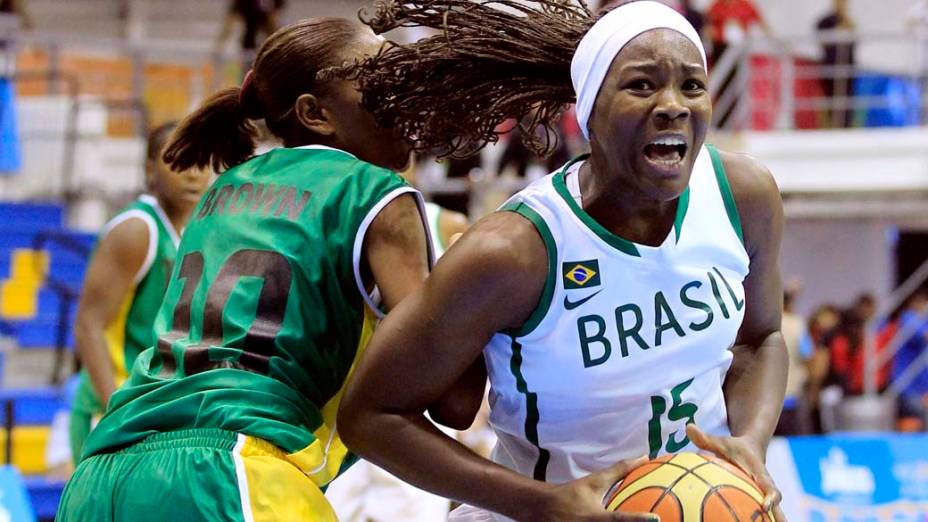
column 855, row 478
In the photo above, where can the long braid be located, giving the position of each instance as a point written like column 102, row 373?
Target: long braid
column 492, row 60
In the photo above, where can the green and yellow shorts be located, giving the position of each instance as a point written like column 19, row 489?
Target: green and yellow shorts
column 193, row 475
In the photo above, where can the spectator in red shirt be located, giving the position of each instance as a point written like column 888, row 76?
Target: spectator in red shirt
column 731, row 20
column 847, row 355
column 729, row 23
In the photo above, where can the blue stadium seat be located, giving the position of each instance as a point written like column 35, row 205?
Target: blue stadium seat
column 32, row 406
column 35, row 215
column 42, row 332
column 12, row 236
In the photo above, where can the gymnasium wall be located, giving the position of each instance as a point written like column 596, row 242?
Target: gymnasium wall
column 837, row 260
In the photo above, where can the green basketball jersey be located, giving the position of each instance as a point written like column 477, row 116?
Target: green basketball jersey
column 266, row 310
column 131, row 331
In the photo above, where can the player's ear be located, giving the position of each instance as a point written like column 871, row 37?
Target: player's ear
column 312, row 116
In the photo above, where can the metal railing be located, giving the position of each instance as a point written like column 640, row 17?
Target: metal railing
column 778, row 66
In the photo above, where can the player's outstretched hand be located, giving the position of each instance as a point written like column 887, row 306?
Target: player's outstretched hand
column 582, row 499
column 747, row 455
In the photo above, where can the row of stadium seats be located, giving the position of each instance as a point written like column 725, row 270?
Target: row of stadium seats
column 40, row 263
column 33, row 410
column 42, row 266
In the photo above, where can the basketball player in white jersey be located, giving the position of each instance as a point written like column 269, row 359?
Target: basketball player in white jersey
column 628, row 304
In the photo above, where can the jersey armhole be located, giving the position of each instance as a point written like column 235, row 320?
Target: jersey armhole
column 725, row 189
column 372, row 299
column 544, row 303
column 434, row 222
column 152, row 238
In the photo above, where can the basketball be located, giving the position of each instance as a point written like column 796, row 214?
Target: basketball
column 687, row 487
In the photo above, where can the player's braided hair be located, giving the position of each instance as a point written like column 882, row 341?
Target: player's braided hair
column 492, row 60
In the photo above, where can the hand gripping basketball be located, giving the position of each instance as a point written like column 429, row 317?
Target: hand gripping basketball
column 748, row 456
column 582, row 499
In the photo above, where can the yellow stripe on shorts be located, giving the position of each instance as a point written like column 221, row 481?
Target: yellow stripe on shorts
column 272, row 488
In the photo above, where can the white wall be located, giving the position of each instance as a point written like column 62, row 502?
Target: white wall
column 838, row 260
column 830, row 161
column 105, row 170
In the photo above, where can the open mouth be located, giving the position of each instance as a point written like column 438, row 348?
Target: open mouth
column 667, row 150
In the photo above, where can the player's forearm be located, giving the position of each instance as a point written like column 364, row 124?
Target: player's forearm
column 755, row 387
column 92, row 348
column 411, row 448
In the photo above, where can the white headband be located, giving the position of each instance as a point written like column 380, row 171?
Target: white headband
column 605, row 40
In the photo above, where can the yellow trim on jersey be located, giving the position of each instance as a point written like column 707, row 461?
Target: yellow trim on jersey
column 276, row 489
column 115, row 335
column 322, row 459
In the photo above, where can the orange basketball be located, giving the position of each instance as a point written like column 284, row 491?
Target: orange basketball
column 687, row 487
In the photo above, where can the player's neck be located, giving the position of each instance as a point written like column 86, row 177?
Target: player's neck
column 178, row 215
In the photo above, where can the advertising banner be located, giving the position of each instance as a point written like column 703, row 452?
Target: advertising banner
column 852, row 478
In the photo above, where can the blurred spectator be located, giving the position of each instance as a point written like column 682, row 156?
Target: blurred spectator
column 836, row 29
column 823, row 328
column 730, row 22
column 913, row 322
column 865, row 307
column 13, row 16
column 794, row 419
column 823, row 325
column 517, row 155
column 259, row 18
column 16, row 11
column 847, row 355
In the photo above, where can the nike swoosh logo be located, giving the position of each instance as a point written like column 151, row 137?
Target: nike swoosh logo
column 570, row 305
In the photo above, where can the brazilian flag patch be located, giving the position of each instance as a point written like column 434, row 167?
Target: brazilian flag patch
column 581, row 274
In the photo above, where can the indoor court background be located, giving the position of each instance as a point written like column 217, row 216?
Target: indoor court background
column 81, row 86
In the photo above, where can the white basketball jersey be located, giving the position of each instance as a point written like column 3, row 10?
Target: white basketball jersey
column 629, row 342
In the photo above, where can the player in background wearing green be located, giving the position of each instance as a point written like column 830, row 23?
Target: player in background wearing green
column 283, row 271
column 126, row 280
column 619, row 302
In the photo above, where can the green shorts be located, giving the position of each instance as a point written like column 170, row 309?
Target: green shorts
column 192, row 475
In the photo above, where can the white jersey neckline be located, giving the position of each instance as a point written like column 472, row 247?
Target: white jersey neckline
column 571, row 176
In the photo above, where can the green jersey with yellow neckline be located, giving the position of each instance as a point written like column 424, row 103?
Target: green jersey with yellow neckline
column 266, row 311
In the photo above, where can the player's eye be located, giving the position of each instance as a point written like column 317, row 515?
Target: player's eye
column 693, row 86
column 639, row 85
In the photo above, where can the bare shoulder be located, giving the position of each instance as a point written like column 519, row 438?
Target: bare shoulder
column 399, row 221
column 757, row 197
column 752, row 184
column 500, row 259
column 504, row 242
column 127, row 241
